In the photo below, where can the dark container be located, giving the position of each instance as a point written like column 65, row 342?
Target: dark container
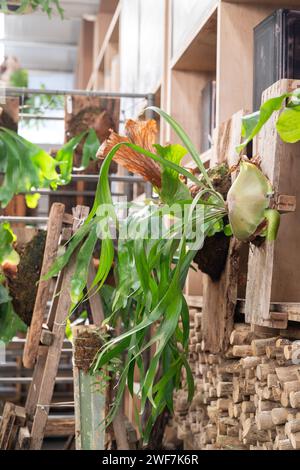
column 276, row 51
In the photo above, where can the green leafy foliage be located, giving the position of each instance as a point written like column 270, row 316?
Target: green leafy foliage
column 10, row 323
column 46, row 6
column 27, row 167
column 7, row 238
column 65, row 155
column 287, row 124
column 172, row 188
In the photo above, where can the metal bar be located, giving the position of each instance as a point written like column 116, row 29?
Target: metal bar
column 95, row 178
column 149, row 115
column 12, row 91
column 121, row 179
column 23, row 220
column 41, row 117
column 71, row 192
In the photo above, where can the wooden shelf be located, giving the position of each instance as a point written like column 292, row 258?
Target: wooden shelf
column 199, row 52
column 111, row 38
column 292, row 309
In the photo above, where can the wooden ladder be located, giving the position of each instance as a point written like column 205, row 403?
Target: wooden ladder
column 24, row 428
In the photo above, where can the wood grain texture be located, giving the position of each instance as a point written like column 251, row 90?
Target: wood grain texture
column 274, row 268
column 219, row 298
column 51, row 246
column 54, row 351
column 89, row 401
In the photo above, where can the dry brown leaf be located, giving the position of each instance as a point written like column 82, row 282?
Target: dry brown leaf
column 142, row 133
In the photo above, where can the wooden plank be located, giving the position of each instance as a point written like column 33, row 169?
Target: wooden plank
column 12, row 417
column 54, row 351
column 198, row 53
column 274, row 267
column 35, row 385
column 6, row 425
column 58, row 426
column 290, row 311
column 219, row 300
column 51, row 246
column 89, row 401
column 108, row 37
column 226, row 138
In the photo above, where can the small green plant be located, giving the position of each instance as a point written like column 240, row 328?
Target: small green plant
column 24, row 6
column 287, row 123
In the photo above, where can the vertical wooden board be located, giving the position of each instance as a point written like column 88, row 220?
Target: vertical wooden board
column 54, row 351
column 92, row 407
column 274, row 268
column 219, row 298
column 85, row 53
column 51, row 247
column 89, row 399
column 226, row 137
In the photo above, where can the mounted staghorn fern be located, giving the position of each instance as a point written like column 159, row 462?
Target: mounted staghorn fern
column 151, row 271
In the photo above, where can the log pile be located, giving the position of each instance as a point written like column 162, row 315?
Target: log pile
column 247, row 398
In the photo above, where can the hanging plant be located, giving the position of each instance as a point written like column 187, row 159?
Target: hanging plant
column 151, row 272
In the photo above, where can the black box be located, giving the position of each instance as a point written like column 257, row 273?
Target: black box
column 276, row 51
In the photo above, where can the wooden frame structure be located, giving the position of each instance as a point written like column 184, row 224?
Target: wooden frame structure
column 25, row 427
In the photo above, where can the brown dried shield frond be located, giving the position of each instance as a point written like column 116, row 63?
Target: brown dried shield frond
column 142, row 133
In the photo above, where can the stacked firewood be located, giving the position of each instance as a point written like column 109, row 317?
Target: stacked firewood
column 247, row 398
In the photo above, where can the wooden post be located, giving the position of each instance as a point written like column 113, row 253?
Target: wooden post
column 219, row 298
column 52, row 240
column 274, row 269
column 54, row 350
column 88, row 396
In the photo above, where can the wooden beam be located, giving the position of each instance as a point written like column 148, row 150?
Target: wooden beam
column 34, row 332
column 103, row 48
column 89, row 399
column 274, row 267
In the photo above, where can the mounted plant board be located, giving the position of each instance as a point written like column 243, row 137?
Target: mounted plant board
column 274, row 267
column 219, row 297
column 83, row 114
